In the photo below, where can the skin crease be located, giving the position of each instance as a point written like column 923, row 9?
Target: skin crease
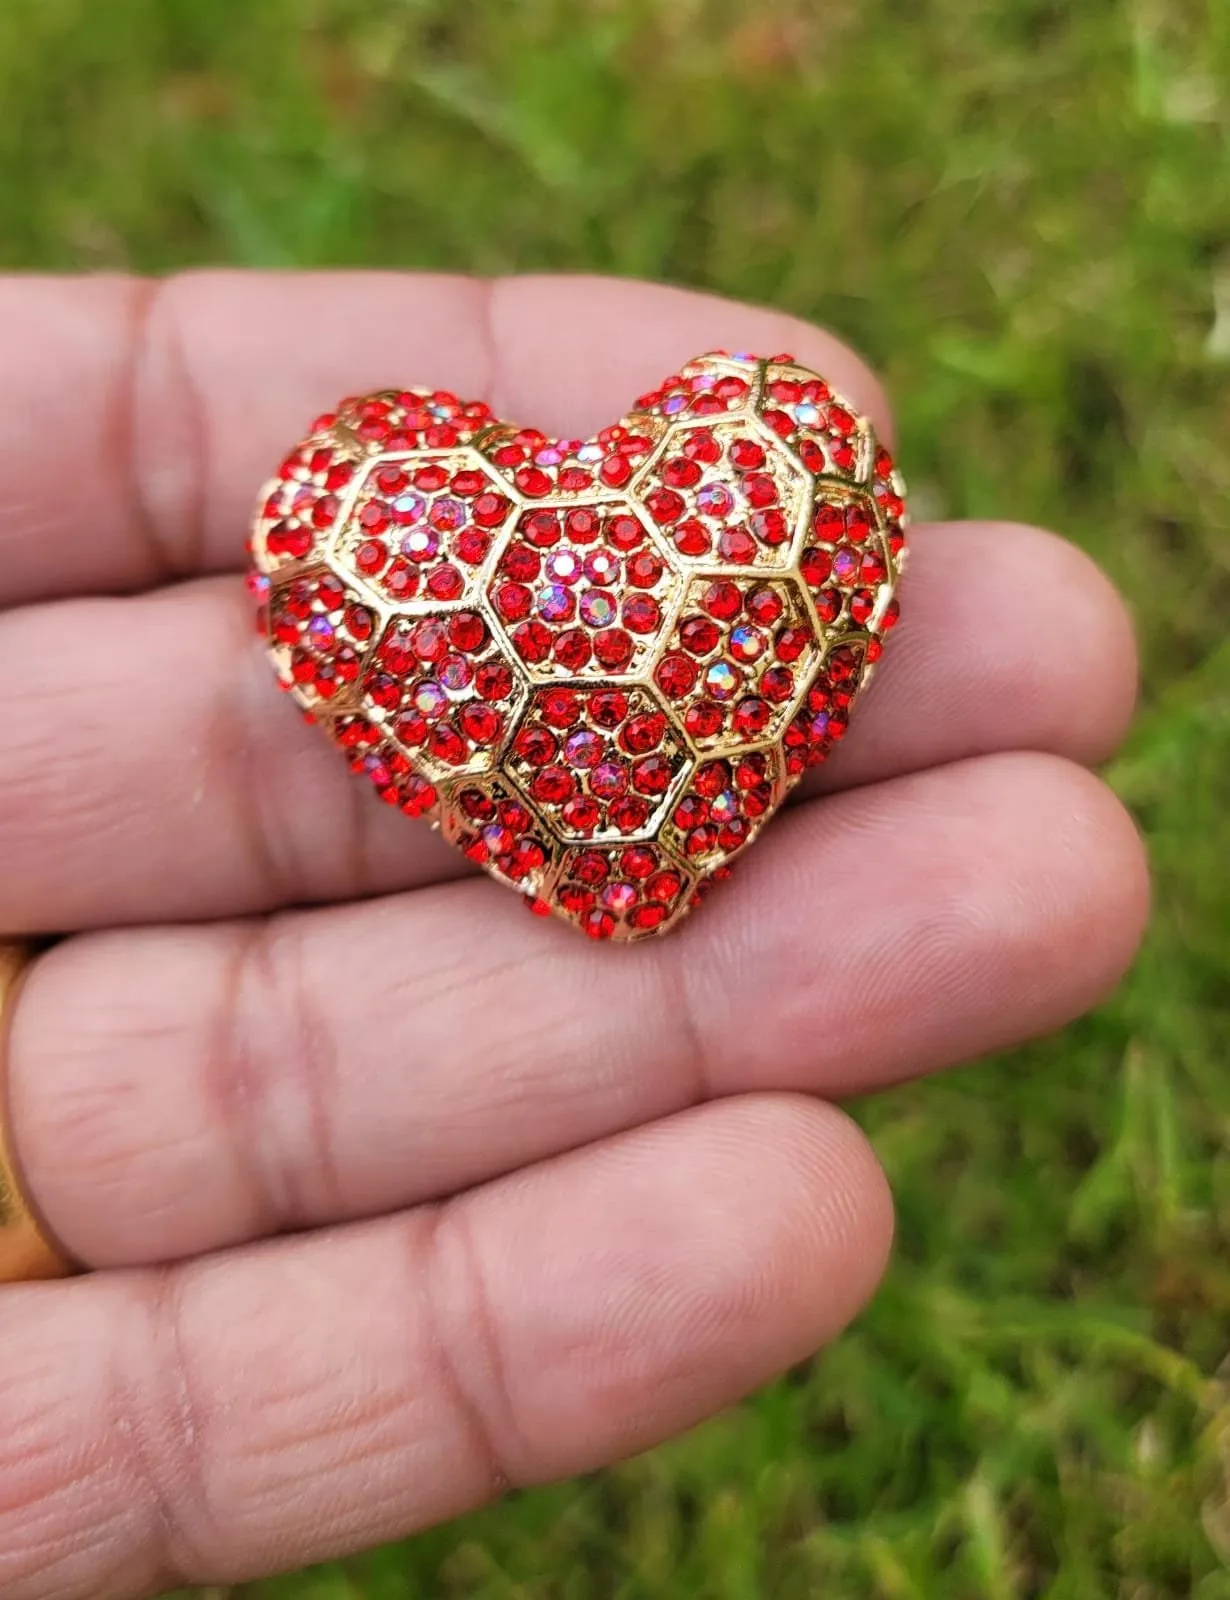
column 954, row 882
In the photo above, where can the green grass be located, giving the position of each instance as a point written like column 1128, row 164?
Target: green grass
column 1020, row 210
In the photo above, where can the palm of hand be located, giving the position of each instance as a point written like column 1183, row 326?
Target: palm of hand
column 550, row 1206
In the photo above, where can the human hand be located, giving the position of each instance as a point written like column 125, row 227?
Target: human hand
column 552, row 1202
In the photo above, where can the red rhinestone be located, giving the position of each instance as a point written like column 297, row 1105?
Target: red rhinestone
column 471, row 546
column 384, row 691
column 815, row 566
column 828, row 604
column 572, row 649
column 862, row 604
column 704, row 719
column 445, row 583
column 664, row 887
column 609, row 780
column 553, row 785
column 842, row 665
column 690, row 812
column 374, row 517
column 582, row 525
column 575, row 900
column 494, row 680
column 560, row 707
column 573, row 479
column 615, row 471
column 429, row 639
column 764, row 606
column 791, row 643
column 608, row 707
column 591, row 868
column 647, row 917
column 532, row 641
column 722, row 600
column 760, row 489
column 477, row 805
column 652, row 775
column 582, row 814
column 325, row 511
column 781, row 422
column 700, row 445
column 598, row 924
column 522, row 563
column 750, row 771
column 712, row 779
column 359, row 623
column 701, row 841
column 480, row 724
column 527, row 858
column 402, row 580
column 410, row 728
column 541, row 528
column 625, row 532
column 829, row 522
column 641, row 613
column 734, row 835
column 644, row 732
column 467, row 483
column 370, row 557
column 629, row 814
column 692, row 538
column 665, row 505
column 676, row 675
column 680, row 472
column 447, row 745
column 535, row 746
column 891, row 614
column 840, row 421
column 751, row 717
column 746, row 455
column 777, row 684
column 875, row 649
column 429, row 479
column 613, row 647
column 770, row 526
column 637, row 862
column 858, row 524
column 513, row 601
column 489, row 510
column 644, row 569
column 330, row 594
column 873, row 569
column 533, row 482
column 737, row 546
column 467, row 631
column 699, row 636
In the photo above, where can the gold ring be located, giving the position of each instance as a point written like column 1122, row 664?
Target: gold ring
column 26, row 1251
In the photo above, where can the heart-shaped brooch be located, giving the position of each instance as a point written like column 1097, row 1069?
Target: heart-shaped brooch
column 597, row 666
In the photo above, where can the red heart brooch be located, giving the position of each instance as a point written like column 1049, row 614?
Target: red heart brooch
column 599, row 666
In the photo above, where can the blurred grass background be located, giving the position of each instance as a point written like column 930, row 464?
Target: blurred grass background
column 1020, row 210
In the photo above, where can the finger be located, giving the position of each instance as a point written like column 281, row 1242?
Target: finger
column 176, row 1091
column 194, row 791
column 184, row 394
column 284, row 1404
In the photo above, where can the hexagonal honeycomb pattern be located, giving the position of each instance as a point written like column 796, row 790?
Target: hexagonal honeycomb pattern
column 416, row 529
column 598, row 763
column 738, row 659
column 582, row 591
column 439, row 684
column 724, row 496
column 598, row 665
